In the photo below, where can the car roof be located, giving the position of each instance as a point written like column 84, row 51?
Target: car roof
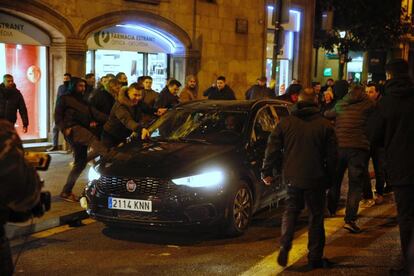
column 240, row 105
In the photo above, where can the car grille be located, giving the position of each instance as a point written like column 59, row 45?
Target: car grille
column 145, row 186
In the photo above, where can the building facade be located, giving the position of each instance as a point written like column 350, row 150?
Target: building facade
column 40, row 40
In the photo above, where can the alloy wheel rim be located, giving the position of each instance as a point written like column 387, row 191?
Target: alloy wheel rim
column 241, row 208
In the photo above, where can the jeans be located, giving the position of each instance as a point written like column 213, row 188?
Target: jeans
column 55, row 135
column 356, row 161
column 315, row 201
column 79, row 140
column 377, row 155
column 404, row 197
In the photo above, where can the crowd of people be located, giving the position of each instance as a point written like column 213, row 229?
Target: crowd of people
column 343, row 125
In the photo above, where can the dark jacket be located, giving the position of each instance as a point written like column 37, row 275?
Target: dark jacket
column 125, row 117
column 340, row 89
column 166, row 99
column 394, row 129
column 150, row 97
column 214, row 94
column 63, row 89
column 259, row 92
column 103, row 101
column 12, row 100
column 73, row 109
column 351, row 114
column 304, row 145
column 291, row 90
column 20, row 185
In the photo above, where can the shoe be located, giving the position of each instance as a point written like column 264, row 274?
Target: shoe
column 71, row 197
column 367, row 203
column 323, row 263
column 53, row 148
column 282, row 259
column 379, row 200
column 352, row 227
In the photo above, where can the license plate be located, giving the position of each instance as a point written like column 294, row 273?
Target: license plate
column 129, row 204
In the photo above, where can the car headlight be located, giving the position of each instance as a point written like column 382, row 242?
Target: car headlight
column 93, row 174
column 207, row 179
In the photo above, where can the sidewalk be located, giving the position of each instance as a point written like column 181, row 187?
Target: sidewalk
column 61, row 212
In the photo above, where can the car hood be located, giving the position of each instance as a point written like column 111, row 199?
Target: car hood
column 168, row 159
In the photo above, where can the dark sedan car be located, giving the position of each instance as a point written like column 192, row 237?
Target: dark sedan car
column 201, row 166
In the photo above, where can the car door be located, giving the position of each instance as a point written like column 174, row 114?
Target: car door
column 265, row 121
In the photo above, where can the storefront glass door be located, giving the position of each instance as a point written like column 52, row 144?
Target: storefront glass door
column 27, row 65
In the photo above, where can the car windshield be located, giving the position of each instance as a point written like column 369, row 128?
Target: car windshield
column 204, row 126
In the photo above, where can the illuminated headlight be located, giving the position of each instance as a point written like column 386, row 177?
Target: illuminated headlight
column 93, row 174
column 208, row 179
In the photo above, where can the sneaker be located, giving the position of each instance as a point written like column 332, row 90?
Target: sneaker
column 379, row 200
column 53, row 148
column 71, row 197
column 323, row 263
column 352, row 227
column 282, row 259
column 367, row 203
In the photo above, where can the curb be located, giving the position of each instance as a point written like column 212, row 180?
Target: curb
column 17, row 230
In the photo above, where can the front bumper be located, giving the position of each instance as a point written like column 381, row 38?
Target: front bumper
column 172, row 205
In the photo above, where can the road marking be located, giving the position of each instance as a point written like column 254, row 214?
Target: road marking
column 59, row 229
column 269, row 266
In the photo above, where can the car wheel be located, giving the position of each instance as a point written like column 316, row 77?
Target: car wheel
column 239, row 210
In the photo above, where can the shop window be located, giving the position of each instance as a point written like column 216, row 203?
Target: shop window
column 27, row 65
column 133, row 64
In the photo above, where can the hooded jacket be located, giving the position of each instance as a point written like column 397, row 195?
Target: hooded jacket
column 72, row 109
column 303, row 146
column 394, row 129
column 103, row 101
column 12, row 100
column 125, row 117
column 351, row 113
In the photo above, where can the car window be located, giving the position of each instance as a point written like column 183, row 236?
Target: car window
column 214, row 126
column 281, row 111
column 266, row 120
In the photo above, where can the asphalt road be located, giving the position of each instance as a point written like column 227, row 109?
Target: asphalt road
column 94, row 249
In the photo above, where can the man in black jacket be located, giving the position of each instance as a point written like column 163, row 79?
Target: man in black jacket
column 12, row 100
column 351, row 115
column 221, row 91
column 168, row 97
column 104, row 99
column 394, row 129
column 77, row 121
column 303, row 146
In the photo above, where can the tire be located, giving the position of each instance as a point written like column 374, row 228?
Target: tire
column 239, row 210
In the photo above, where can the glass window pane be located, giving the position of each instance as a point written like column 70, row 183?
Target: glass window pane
column 157, row 69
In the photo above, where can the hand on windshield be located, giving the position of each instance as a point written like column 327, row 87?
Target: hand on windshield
column 144, row 134
column 161, row 111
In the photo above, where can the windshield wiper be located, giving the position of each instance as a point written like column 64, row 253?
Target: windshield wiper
column 186, row 140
